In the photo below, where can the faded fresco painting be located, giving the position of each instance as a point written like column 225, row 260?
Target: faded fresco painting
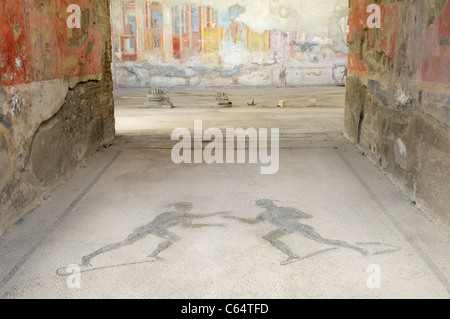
column 166, row 43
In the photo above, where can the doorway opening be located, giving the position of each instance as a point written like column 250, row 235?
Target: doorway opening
column 260, row 55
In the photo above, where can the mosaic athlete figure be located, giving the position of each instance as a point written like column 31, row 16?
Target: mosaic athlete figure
column 287, row 219
column 158, row 227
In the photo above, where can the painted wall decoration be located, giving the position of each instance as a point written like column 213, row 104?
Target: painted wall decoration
column 166, row 43
column 50, row 68
column 403, row 67
column 37, row 45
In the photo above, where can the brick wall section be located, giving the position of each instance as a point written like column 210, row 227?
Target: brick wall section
column 398, row 96
column 56, row 99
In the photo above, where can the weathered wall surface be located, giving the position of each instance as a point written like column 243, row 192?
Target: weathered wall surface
column 204, row 43
column 55, row 97
column 398, row 95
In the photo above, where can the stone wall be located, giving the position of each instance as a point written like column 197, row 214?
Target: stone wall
column 206, row 43
column 398, row 96
column 55, row 95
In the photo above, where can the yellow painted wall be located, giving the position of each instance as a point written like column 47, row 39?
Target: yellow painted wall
column 257, row 42
column 212, row 39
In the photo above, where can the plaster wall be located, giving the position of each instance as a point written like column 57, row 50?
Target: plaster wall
column 398, row 96
column 56, row 104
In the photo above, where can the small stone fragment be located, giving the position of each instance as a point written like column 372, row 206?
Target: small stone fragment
column 281, row 103
column 158, row 98
column 312, row 103
column 223, row 100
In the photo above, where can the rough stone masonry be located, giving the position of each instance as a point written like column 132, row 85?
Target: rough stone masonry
column 398, row 96
column 56, row 97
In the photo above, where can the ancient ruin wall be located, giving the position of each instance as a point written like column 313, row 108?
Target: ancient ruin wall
column 398, row 95
column 55, row 96
column 207, row 43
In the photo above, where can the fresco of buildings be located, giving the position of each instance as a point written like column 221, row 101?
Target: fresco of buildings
column 158, row 44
